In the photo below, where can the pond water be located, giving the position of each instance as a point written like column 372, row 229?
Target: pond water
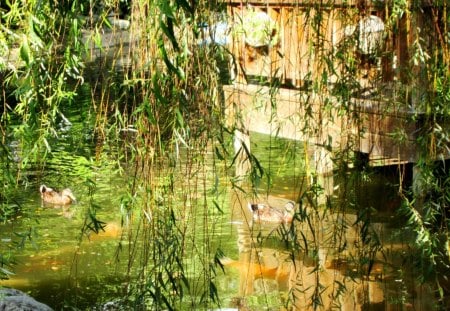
column 330, row 259
column 57, row 259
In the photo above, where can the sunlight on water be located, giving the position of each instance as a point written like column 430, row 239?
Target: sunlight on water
column 266, row 266
column 58, row 262
column 326, row 260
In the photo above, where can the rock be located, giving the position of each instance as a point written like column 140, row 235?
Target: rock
column 119, row 23
column 15, row 300
column 111, row 306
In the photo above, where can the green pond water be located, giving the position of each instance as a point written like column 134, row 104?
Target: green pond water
column 66, row 268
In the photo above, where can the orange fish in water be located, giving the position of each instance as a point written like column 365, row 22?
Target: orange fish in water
column 50, row 196
column 111, row 230
column 265, row 213
column 256, row 270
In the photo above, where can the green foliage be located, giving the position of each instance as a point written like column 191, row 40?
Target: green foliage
column 41, row 76
column 426, row 207
column 6, row 264
column 165, row 110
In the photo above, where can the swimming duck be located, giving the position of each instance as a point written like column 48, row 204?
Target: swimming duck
column 48, row 195
column 265, row 213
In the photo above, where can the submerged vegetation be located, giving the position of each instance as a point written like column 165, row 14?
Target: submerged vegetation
column 135, row 87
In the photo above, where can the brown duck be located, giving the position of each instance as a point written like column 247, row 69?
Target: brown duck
column 265, row 213
column 48, row 195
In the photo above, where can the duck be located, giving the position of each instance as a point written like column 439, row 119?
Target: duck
column 265, row 213
column 51, row 196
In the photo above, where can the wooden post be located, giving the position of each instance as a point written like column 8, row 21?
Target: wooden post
column 322, row 160
column 418, row 188
column 324, row 171
column 242, row 151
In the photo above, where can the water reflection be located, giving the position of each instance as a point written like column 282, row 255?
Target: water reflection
column 58, row 263
column 323, row 261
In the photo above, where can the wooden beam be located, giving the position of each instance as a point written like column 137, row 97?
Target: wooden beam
column 281, row 112
column 321, row 3
column 280, row 3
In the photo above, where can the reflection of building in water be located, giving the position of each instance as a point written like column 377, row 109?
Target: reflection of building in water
column 326, row 265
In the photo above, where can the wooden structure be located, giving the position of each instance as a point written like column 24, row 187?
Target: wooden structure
column 302, row 34
column 335, row 74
